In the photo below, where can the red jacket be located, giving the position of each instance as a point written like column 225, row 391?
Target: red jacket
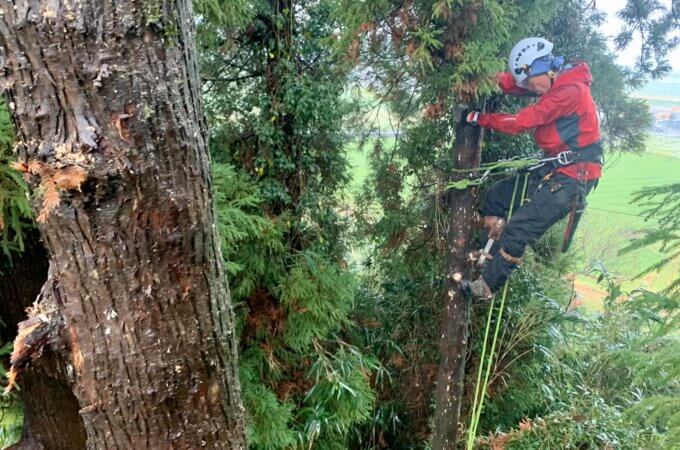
column 565, row 118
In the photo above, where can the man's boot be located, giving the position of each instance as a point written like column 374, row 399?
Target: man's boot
column 475, row 290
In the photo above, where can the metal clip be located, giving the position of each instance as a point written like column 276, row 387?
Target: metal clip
column 486, row 174
column 565, row 158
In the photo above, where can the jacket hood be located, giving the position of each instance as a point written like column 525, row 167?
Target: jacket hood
column 578, row 73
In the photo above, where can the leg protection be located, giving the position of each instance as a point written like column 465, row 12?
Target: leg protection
column 548, row 205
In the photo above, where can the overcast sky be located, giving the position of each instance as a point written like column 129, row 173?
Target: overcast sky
column 613, row 25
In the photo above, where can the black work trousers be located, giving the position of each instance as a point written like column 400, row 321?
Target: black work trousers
column 546, row 202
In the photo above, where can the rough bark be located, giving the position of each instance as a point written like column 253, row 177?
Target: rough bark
column 51, row 410
column 454, row 333
column 106, row 101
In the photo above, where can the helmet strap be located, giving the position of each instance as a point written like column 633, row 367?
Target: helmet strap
column 552, row 75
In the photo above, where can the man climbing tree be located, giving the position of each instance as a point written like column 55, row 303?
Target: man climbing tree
column 134, row 321
column 566, row 127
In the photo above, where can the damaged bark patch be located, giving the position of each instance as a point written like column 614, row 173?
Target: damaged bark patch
column 34, row 333
column 70, row 178
column 52, row 180
column 77, row 358
column 120, row 122
column 19, row 166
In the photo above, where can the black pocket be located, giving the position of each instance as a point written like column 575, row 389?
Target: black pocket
column 556, row 198
column 564, row 193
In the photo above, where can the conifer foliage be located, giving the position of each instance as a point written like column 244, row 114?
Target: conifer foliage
column 273, row 91
column 15, row 211
column 661, row 206
column 654, row 24
column 424, row 59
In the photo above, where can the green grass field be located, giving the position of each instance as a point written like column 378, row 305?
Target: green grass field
column 663, row 145
column 611, row 220
column 358, row 157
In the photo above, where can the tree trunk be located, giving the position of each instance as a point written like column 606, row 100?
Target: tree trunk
column 105, row 97
column 51, row 411
column 454, row 334
column 49, row 407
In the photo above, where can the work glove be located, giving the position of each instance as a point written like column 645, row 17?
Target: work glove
column 505, row 81
column 471, row 117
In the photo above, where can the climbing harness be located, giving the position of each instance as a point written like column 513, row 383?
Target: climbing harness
column 562, row 159
column 487, row 362
column 590, row 153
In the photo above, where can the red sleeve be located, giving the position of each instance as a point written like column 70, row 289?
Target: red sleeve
column 559, row 102
column 507, row 84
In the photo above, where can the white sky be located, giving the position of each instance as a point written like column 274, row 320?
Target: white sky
column 613, row 25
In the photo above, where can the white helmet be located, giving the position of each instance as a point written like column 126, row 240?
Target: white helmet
column 523, row 54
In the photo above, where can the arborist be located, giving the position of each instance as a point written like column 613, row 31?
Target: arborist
column 565, row 126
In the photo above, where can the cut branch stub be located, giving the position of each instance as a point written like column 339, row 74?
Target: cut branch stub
column 34, row 334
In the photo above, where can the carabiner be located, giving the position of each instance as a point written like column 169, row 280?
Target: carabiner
column 563, row 158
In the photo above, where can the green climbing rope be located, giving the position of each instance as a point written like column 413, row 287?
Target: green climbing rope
column 511, row 164
column 486, row 364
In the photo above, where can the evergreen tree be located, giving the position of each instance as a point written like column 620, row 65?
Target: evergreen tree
column 15, row 211
column 131, row 340
column 655, row 26
column 422, row 59
column 661, row 206
column 274, row 91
